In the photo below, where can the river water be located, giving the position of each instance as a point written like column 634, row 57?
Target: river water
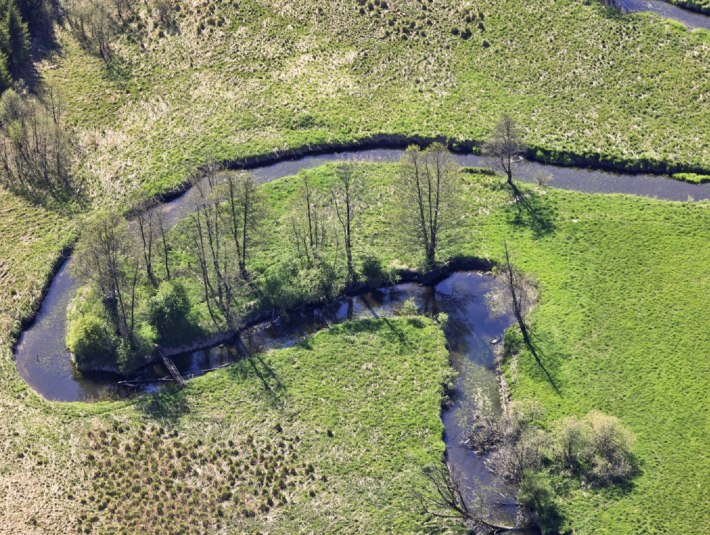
column 688, row 18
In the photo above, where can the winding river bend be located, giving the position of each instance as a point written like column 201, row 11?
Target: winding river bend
column 44, row 362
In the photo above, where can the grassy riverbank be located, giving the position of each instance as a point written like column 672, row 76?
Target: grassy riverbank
column 621, row 323
column 701, row 6
column 339, row 427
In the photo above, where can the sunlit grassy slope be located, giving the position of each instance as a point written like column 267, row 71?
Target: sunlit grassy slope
column 257, row 76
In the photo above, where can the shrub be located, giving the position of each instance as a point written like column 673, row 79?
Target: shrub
column 375, row 274
column 286, row 285
column 168, row 311
column 409, row 308
column 537, row 495
column 93, row 342
column 596, row 448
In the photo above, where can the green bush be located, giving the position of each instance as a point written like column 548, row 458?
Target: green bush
column 375, row 274
column 597, row 448
column 168, row 311
column 131, row 355
column 93, row 342
column 287, row 286
column 537, row 495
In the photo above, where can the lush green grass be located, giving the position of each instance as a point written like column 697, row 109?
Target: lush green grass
column 333, row 439
column 283, row 74
column 703, row 6
column 621, row 322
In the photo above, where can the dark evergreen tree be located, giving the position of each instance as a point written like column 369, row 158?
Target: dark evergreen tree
column 37, row 14
column 16, row 38
column 5, row 76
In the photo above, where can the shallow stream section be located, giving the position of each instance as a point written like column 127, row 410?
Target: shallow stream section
column 686, row 17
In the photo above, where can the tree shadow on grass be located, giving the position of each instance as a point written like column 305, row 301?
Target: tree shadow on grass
column 252, row 364
column 398, row 332
column 547, row 363
column 168, row 405
column 532, row 211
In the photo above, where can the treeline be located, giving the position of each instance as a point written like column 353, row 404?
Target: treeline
column 20, row 22
column 36, row 149
column 147, row 285
column 98, row 24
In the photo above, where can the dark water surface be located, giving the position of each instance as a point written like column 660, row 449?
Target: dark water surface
column 688, row 18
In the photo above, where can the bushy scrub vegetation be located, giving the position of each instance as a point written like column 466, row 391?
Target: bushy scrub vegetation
column 231, row 258
column 36, row 151
column 109, row 311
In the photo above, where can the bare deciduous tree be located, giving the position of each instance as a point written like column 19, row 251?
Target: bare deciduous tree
column 506, row 146
column 223, row 225
column 427, row 184
column 215, row 268
column 309, row 231
column 148, row 234
column 36, row 154
column 346, row 196
column 105, row 259
column 444, row 498
column 245, row 212
column 95, row 23
column 165, row 243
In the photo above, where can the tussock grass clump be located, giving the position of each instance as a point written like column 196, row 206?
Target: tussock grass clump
column 137, row 478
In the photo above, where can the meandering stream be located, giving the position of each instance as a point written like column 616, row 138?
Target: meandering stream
column 44, row 362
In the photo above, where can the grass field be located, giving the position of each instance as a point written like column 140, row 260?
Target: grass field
column 264, row 76
column 623, row 281
column 333, row 440
column 621, row 323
